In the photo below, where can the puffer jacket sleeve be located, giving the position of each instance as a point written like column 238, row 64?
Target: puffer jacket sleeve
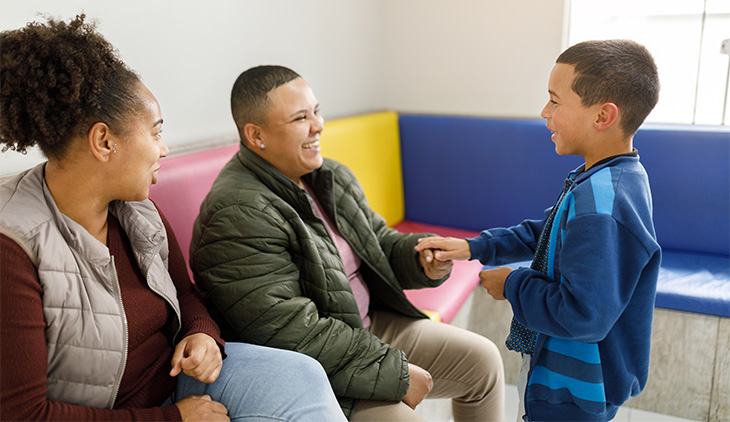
column 399, row 248
column 242, row 260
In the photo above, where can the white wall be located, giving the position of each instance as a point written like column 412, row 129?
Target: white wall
column 474, row 57
column 471, row 57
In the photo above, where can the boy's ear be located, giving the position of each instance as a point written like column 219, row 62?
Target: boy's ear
column 607, row 116
column 251, row 136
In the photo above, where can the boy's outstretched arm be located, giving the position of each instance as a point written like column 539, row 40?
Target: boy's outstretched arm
column 445, row 248
column 497, row 246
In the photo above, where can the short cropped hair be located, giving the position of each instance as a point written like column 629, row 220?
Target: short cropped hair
column 57, row 80
column 249, row 96
column 619, row 71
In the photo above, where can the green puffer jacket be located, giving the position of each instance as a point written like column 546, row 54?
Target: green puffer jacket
column 273, row 275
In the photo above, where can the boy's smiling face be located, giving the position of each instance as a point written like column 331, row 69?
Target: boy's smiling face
column 572, row 123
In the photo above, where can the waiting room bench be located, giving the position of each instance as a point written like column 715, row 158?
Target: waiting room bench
column 455, row 176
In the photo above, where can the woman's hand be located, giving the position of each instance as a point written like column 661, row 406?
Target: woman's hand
column 201, row 408
column 198, row 356
column 445, row 248
column 421, row 384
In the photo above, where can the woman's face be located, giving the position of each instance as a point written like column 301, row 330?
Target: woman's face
column 291, row 133
column 139, row 150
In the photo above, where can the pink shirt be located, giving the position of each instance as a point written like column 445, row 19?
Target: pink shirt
column 350, row 260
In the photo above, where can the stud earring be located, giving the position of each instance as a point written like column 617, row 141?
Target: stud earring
column 114, row 148
column 262, row 146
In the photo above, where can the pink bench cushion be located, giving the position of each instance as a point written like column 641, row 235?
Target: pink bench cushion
column 445, row 300
column 182, row 183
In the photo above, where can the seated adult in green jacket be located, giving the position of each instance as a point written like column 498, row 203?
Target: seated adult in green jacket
column 291, row 256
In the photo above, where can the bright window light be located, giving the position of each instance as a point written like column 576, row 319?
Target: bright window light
column 685, row 37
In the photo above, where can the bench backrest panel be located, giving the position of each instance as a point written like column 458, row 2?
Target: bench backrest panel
column 689, row 172
column 476, row 173
column 183, row 182
column 370, row 146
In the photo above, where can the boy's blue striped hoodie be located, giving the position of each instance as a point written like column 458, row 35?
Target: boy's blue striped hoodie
column 594, row 307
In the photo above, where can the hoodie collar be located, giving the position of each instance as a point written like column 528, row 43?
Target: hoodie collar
column 582, row 173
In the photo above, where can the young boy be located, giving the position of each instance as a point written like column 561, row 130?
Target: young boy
column 583, row 310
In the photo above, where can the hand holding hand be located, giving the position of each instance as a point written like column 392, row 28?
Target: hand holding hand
column 493, row 280
column 421, row 384
column 445, row 248
column 198, row 356
column 201, row 408
column 434, row 268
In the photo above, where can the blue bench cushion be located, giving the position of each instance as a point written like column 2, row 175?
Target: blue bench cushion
column 694, row 283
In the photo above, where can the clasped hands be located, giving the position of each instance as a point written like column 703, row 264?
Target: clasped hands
column 434, row 267
column 447, row 249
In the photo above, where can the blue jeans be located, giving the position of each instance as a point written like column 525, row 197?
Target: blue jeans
column 264, row 384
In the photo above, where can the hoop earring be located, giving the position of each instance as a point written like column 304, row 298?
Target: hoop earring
column 114, row 148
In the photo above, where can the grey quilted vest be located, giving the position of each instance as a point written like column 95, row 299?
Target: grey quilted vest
column 86, row 328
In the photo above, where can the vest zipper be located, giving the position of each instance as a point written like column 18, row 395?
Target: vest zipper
column 118, row 291
column 176, row 311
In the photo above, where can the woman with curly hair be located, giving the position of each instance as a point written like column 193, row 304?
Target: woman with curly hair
column 98, row 318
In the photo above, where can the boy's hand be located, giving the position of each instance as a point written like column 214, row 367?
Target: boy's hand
column 493, row 280
column 445, row 248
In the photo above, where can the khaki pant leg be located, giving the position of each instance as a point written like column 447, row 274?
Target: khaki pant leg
column 382, row 411
column 465, row 366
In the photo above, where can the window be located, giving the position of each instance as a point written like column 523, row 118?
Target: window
column 685, row 37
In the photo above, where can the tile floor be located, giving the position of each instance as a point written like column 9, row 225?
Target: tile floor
column 439, row 411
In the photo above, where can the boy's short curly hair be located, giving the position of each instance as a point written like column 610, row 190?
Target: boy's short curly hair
column 56, row 80
column 620, row 71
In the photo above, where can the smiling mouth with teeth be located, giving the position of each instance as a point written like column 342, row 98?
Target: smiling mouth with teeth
column 311, row 145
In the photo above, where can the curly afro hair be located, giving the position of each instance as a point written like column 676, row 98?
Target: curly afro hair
column 56, row 80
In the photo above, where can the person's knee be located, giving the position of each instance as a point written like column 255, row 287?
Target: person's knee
column 306, row 366
column 487, row 369
column 298, row 365
column 488, row 353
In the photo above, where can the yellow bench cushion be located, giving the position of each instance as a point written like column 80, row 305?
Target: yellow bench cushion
column 370, row 146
